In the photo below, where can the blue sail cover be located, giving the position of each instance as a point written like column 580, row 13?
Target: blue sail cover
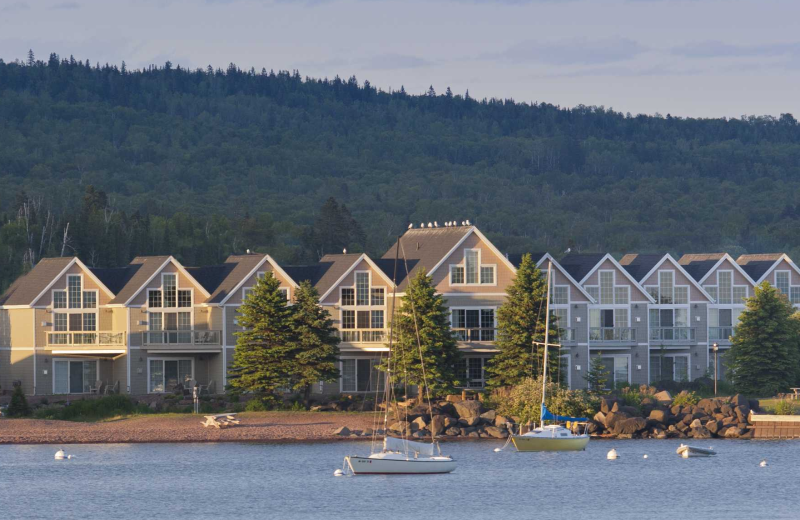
column 548, row 416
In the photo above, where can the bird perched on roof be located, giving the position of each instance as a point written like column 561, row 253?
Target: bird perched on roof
column 435, row 224
column 467, row 221
column 410, row 226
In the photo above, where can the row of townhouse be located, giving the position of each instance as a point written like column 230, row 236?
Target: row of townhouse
column 154, row 323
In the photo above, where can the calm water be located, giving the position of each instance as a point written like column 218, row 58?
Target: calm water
column 199, row 481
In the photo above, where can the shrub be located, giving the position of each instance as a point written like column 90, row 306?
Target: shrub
column 784, row 407
column 524, row 401
column 19, row 404
column 632, row 397
column 93, row 409
column 237, row 408
column 206, row 407
column 255, row 405
column 685, row 398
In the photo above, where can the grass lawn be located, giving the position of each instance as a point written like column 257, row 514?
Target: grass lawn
column 768, row 405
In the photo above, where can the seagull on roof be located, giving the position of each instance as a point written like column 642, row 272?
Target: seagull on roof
column 435, row 224
column 344, row 251
column 568, row 251
column 463, row 223
column 410, row 226
column 467, row 221
column 430, row 225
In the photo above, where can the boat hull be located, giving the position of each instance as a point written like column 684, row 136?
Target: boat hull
column 379, row 466
column 693, row 451
column 533, row 443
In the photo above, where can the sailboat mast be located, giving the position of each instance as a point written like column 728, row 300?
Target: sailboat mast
column 388, row 380
column 546, row 342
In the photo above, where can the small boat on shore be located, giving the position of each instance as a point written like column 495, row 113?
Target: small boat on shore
column 694, row 451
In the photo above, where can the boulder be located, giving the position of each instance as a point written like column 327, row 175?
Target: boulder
column 695, row 424
column 742, row 413
column 401, row 426
column 600, row 417
column 420, row 434
column 630, row 426
column 661, row 416
column 663, row 397
column 467, row 409
column 453, row 432
column 675, row 410
column 502, row 420
column 701, row 433
column 470, row 421
column 688, row 409
column 453, row 398
column 739, row 400
column 726, row 409
column 449, row 421
column 615, row 407
column 707, row 405
column 613, row 417
column 446, row 408
column 488, row 417
column 755, row 405
column 747, row 434
column 438, row 424
column 344, row 431
column 630, row 410
column 727, row 421
column 497, row 433
column 594, row 427
column 733, row 433
column 713, row 426
column 474, row 434
column 419, row 423
column 606, row 404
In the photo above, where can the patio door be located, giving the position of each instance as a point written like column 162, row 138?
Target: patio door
column 166, row 373
column 616, row 368
column 74, row 377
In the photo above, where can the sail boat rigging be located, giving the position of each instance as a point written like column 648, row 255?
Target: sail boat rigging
column 400, row 455
column 553, row 437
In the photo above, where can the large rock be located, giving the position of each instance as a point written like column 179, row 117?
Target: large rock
column 466, row 409
column 675, row 410
column 401, row 426
column 695, row 424
column 661, row 416
column 594, row 427
column 606, row 404
column 497, row 433
column 739, row 400
column 419, row 423
column 747, row 434
column 450, row 421
column 488, row 417
column 502, row 420
column 344, row 431
column 630, row 410
column 727, row 421
column 742, row 413
column 437, row 425
column 663, row 397
column 630, row 426
column 453, row 432
column 701, row 433
column 707, row 405
column 469, row 421
column 600, row 417
column 733, row 433
column 713, row 426
column 612, row 418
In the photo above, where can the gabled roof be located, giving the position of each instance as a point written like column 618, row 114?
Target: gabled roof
column 668, row 258
column 608, row 257
column 639, row 265
column 26, row 289
column 578, row 265
column 760, row 265
column 334, row 269
column 141, row 271
column 238, row 269
column 546, row 256
column 112, row 277
column 700, row 266
column 209, row 277
column 516, row 258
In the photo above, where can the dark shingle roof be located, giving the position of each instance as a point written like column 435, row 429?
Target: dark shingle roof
column 639, row 265
column 578, row 265
column 758, row 265
column 139, row 270
column 303, row 273
column 26, row 288
column 113, row 278
column 698, row 265
column 516, row 258
column 229, row 275
column 331, row 268
column 210, row 276
column 424, row 248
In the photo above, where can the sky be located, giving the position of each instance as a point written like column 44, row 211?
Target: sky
column 690, row 58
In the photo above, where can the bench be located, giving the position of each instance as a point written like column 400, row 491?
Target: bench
column 222, row 420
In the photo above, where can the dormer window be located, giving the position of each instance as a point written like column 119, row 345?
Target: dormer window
column 666, row 292
column 72, row 324
column 607, row 292
column 472, row 272
column 724, row 292
column 362, row 318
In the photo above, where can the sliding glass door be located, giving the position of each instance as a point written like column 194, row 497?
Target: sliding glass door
column 74, row 377
column 165, row 374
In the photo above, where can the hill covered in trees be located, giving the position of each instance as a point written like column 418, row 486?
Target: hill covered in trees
column 207, row 162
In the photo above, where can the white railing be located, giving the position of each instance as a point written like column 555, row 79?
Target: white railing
column 475, row 334
column 182, row 337
column 86, row 338
column 612, row 334
column 721, row 333
column 672, row 334
column 362, row 336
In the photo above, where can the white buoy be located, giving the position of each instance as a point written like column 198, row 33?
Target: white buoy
column 498, row 449
column 338, row 473
column 645, row 456
column 612, row 455
column 763, row 463
column 60, row 455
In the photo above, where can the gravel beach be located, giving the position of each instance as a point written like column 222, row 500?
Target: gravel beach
column 255, row 426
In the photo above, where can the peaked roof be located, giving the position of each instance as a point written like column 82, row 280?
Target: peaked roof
column 757, row 266
column 578, row 265
column 668, row 258
column 425, row 248
column 112, row 277
column 139, row 272
column 516, row 258
column 334, row 268
column 639, row 266
column 233, row 272
column 27, row 288
column 573, row 281
column 698, row 265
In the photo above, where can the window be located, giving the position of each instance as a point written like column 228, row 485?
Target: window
column 154, row 298
column 560, row 295
column 665, row 283
column 669, row 368
column 59, row 299
column 724, row 284
column 681, row 295
column 487, row 274
column 652, row 290
column 712, row 291
column 616, row 368
column 795, row 295
column 246, row 292
column 621, row 318
column 377, row 296
column 473, row 324
column 74, row 291
column 621, row 295
column 361, row 375
column 348, row 319
column 60, row 322
column 348, row 296
column 74, row 377
column 155, row 321
column 377, row 320
column 362, row 319
column 89, row 300
column 169, row 283
column 607, row 287
column 471, row 371
column 184, row 298
column 285, row 292
column 782, row 281
column 740, row 293
column 594, row 292
column 471, row 261
column 165, row 374
column 89, row 322
column 362, row 288
column 456, row 274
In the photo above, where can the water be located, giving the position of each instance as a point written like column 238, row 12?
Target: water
column 294, row 481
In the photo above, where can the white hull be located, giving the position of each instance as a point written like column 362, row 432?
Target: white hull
column 399, row 465
column 693, row 451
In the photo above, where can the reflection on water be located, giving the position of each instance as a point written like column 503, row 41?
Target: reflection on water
column 199, row 481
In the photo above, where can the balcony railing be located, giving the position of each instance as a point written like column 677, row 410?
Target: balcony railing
column 567, row 335
column 475, row 335
column 182, row 337
column 86, row 338
column 721, row 333
column 612, row 334
column 363, row 336
column 672, row 334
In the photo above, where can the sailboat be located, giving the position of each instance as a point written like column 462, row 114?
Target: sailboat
column 552, row 437
column 400, row 456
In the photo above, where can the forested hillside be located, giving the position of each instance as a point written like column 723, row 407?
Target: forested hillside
column 207, row 162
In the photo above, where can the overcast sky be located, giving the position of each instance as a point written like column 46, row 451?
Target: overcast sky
column 704, row 58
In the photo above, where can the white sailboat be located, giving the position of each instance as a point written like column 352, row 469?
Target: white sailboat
column 400, row 456
column 552, row 437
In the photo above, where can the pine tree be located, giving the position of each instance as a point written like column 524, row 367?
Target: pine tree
column 520, row 323
column 436, row 341
column 18, row 407
column 597, row 375
column 31, row 58
column 315, row 344
column 262, row 360
column 764, row 351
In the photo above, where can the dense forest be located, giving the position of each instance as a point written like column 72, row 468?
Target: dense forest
column 202, row 163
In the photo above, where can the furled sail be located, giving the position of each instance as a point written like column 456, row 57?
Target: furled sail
column 547, row 415
column 421, row 448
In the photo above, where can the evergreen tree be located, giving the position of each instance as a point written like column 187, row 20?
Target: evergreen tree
column 764, row 351
column 262, row 360
column 315, row 348
column 18, row 407
column 436, row 341
column 31, row 58
column 597, row 375
column 520, row 323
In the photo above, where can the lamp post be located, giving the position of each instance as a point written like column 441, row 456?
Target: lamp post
column 715, row 348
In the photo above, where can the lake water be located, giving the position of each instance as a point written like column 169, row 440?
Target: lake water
column 295, row 481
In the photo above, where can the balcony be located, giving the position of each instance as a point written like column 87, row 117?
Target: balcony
column 721, row 335
column 475, row 335
column 669, row 335
column 567, row 335
column 363, row 336
column 611, row 335
column 182, row 338
column 85, row 340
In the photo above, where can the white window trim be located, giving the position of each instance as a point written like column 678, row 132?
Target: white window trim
column 463, row 265
column 81, row 310
column 60, row 358
column 619, row 356
column 355, row 305
column 170, row 310
column 341, row 377
column 568, row 362
column 149, row 359
column 569, row 299
column 485, row 359
column 688, row 363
